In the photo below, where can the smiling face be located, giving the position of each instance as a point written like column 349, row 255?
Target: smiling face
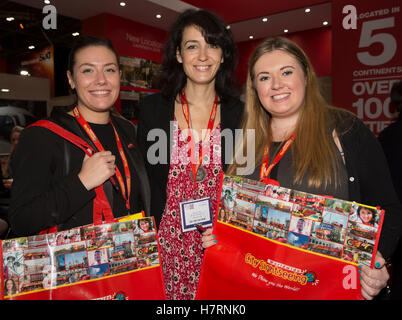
column 96, row 79
column 366, row 215
column 144, row 225
column 280, row 84
column 200, row 59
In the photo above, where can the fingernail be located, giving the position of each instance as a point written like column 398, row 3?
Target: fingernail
column 213, row 236
column 360, row 266
column 377, row 264
column 215, row 241
column 360, row 271
column 360, row 277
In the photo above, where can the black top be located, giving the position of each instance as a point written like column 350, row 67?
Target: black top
column 391, row 141
column 46, row 190
column 158, row 113
column 369, row 179
column 283, row 172
column 106, row 136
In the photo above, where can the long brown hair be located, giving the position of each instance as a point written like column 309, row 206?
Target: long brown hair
column 313, row 150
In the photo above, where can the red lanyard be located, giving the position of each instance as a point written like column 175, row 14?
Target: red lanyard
column 186, row 113
column 84, row 124
column 266, row 169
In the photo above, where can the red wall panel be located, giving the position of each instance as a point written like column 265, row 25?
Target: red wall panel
column 316, row 43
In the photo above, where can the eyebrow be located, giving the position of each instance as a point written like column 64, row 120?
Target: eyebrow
column 284, row 67
column 192, row 41
column 93, row 65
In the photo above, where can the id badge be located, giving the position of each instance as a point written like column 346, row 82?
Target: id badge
column 195, row 212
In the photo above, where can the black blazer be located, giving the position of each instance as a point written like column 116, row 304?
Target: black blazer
column 157, row 113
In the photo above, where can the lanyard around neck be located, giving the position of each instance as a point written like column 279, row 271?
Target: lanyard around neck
column 266, row 169
column 186, row 112
column 84, row 124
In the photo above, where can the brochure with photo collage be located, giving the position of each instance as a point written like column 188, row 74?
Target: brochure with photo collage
column 77, row 255
column 327, row 226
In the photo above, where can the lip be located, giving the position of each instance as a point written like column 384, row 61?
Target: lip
column 100, row 93
column 202, row 68
column 280, row 97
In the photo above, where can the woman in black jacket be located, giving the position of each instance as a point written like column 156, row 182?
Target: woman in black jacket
column 55, row 182
column 302, row 143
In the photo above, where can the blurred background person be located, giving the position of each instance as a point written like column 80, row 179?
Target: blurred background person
column 14, row 138
column 391, row 141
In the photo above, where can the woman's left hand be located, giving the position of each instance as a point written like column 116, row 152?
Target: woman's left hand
column 374, row 280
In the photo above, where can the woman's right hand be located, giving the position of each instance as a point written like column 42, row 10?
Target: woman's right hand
column 208, row 239
column 97, row 169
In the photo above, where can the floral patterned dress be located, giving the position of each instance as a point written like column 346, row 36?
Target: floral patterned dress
column 182, row 252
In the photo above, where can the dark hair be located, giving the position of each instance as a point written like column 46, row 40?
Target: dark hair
column 372, row 211
column 396, row 95
column 88, row 41
column 214, row 30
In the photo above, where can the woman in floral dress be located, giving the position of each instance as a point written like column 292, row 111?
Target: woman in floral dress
column 183, row 133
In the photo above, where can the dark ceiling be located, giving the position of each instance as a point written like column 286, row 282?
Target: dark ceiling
column 15, row 40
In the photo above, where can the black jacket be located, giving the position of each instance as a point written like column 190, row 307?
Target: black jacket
column 391, row 141
column 46, row 190
column 370, row 181
column 157, row 113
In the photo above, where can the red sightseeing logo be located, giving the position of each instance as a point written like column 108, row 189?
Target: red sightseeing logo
column 282, row 271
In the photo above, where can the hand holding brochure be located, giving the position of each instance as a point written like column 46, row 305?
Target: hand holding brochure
column 117, row 260
column 287, row 244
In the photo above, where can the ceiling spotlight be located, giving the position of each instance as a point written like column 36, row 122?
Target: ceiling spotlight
column 264, row 19
column 31, row 47
column 158, row 16
column 307, row 10
column 10, row 18
column 75, row 34
column 5, row 90
column 24, row 73
column 123, row 4
column 325, row 23
column 251, row 37
column 46, row 1
column 228, row 27
column 286, row 30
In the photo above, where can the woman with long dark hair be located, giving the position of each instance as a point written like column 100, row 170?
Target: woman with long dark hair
column 197, row 105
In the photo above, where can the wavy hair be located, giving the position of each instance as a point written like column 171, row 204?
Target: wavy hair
column 214, row 30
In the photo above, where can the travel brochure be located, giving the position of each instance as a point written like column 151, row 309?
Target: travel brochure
column 323, row 225
column 77, row 255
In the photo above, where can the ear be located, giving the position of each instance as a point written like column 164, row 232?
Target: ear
column 70, row 79
column 178, row 56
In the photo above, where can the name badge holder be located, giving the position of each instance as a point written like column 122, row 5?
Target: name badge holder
column 195, row 212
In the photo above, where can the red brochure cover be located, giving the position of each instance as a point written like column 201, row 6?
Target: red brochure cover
column 277, row 243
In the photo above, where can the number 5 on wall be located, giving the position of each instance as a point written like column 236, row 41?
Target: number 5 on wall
column 367, row 39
